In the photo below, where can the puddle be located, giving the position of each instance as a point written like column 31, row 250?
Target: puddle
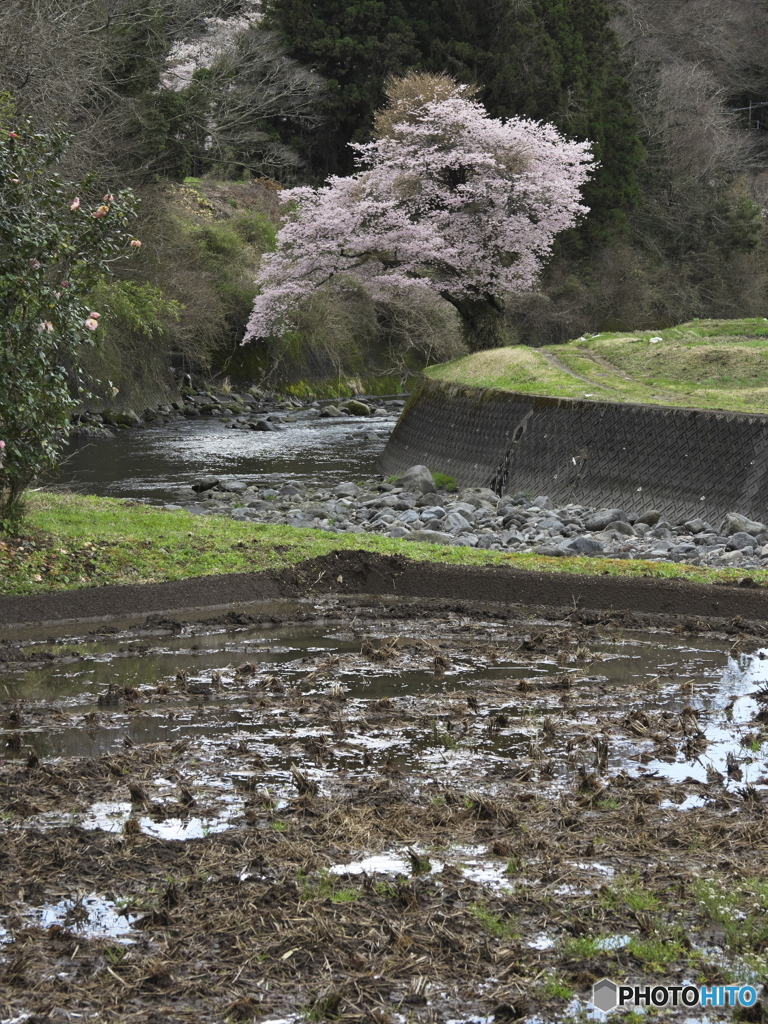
column 91, row 917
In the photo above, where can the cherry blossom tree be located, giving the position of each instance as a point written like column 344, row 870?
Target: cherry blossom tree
column 446, row 199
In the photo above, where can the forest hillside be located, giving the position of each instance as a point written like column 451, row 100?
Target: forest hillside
column 208, row 109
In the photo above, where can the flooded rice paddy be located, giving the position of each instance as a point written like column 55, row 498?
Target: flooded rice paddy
column 344, row 811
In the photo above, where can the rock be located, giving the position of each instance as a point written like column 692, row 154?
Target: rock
column 456, row 524
column 695, row 526
column 582, row 546
column 121, row 419
column 431, row 537
column 599, row 520
column 398, row 531
column 740, row 541
column 330, row 412
column 356, row 408
column 262, row 425
column 650, row 518
column 543, row 502
column 417, row 478
column 204, row 483
column 346, row 490
column 732, row 556
column 621, row 527
column 409, row 517
column 735, row 523
column 464, row 508
column 549, row 550
column 233, row 486
column 550, row 523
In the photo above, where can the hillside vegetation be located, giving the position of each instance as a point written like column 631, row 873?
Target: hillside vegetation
column 705, row 364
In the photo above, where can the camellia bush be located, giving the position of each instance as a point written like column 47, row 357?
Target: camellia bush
column 447, row 199
column 57, row 241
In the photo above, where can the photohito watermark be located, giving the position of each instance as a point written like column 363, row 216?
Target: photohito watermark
column 607, row 995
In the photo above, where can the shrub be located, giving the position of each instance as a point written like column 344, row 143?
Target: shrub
column 57, row 242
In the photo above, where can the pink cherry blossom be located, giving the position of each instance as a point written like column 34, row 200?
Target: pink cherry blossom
column 451, row 200
column 74, row 205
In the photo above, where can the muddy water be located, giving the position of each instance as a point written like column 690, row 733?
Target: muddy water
column 95, row 696
column 453, row 809
column 157, row 463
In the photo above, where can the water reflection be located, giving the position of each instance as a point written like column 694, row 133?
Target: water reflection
column 156, row 462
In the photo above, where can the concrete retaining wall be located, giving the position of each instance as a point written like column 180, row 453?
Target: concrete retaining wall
column 684, row 462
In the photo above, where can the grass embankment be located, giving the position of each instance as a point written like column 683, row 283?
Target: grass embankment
column 72, row 541
column 704, row 364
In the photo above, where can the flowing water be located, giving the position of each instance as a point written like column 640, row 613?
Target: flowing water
column 159, row 463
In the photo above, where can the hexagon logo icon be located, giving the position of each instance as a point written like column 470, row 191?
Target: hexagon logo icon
column 605, row 995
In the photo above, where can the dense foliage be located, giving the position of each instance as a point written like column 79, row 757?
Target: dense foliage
column 57, row 241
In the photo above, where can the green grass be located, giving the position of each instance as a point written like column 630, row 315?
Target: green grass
column 706, row 364
column 741, row 911
column 498, row 926
column 657, row 954
column 553, row 987
column 72, row 541
column 628, row 891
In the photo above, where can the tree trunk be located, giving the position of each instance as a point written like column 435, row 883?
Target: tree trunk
column 483, row 323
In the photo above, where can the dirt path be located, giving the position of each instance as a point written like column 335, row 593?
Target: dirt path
column 362, row 572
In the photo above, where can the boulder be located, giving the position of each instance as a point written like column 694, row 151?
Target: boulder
column 417, row 478
column 356, row 408
column 602, row 518
column 735, row 523
column 582, row 546
column 346, row 489
column 650, row 518
column 204, row 483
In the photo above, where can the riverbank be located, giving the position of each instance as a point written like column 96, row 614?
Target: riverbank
column 88, row 557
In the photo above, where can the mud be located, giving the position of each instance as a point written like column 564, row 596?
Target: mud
column 375, row 810
column 363, row 572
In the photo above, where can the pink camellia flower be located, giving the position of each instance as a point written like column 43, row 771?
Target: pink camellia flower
column 109, row 198
column 135, row 243
column 75, row 203
column 57, row 295
column 91, row 324
column 35, row 264
column 65, row 284
column 101, row 212
column 95, row 316
column 12, row 135
column 45, row 328
column 2, row 445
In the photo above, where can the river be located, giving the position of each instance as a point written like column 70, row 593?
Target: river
column 160, row 463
